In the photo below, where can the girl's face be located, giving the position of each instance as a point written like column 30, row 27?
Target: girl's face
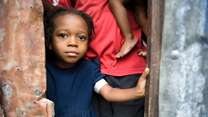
column 70, row 39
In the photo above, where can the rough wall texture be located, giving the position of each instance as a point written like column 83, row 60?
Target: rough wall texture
column 22, row 73
column 184, row 63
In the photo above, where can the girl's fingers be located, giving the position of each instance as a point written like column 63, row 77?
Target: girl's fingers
column 145, row 73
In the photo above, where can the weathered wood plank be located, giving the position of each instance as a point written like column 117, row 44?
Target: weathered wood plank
column 22, row 61
column 155, row 16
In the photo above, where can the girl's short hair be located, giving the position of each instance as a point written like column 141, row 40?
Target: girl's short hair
column 50, row 15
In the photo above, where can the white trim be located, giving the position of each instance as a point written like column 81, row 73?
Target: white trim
column 99, row 84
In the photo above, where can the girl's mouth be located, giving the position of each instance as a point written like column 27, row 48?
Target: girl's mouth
column 71, row 53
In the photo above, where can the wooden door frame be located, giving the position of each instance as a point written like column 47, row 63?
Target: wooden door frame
column 155, row 16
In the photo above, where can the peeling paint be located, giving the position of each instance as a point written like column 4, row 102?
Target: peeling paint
column 37, row 91
column 7, row 90
column 29, row 105
column 2, row 34
column 20, row 112
column 9, row 65
column 17, row 4
column 1, row 111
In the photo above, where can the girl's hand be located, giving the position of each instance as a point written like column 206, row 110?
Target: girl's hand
column 142, row 82
column 47, row 107
column 121, row 95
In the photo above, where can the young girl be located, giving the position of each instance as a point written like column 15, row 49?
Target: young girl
column 71, row 78
column 121, row 72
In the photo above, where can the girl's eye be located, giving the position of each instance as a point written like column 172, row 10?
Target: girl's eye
column 82, row 37
column 63, row 35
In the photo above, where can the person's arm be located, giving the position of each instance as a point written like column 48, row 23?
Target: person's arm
column 141, row 17
column 121, row 16
column 120, row 13
column 118, row 95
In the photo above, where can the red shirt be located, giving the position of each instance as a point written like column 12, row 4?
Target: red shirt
column 108, row 39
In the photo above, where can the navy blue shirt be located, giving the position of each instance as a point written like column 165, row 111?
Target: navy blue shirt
column 71, row 89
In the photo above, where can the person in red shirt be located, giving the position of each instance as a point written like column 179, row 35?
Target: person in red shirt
column 121, row 72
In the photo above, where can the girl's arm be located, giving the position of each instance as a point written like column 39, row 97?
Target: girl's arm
column 118, row 95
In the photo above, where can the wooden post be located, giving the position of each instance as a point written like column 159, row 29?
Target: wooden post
column 155, row 16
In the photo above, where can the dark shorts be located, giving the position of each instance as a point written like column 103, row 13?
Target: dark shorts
column 134, row 108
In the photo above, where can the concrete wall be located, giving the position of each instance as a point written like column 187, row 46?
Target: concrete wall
column 22, row 61
column 184, row 61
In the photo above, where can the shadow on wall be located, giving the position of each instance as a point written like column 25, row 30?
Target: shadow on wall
column 204, row 70
column 206, row 21
column 204, row 64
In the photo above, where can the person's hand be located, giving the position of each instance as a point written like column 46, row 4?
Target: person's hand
column 142, row 53
column 127, row 46
column 47, row 107
column 142, row 82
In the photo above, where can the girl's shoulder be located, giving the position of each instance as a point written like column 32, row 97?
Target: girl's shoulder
column 93, row 69
column 90, row 64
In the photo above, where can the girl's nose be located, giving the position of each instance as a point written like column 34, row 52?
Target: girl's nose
column 72, row 42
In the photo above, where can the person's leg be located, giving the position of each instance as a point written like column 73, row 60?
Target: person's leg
column 133, row 108
column 129, row 109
